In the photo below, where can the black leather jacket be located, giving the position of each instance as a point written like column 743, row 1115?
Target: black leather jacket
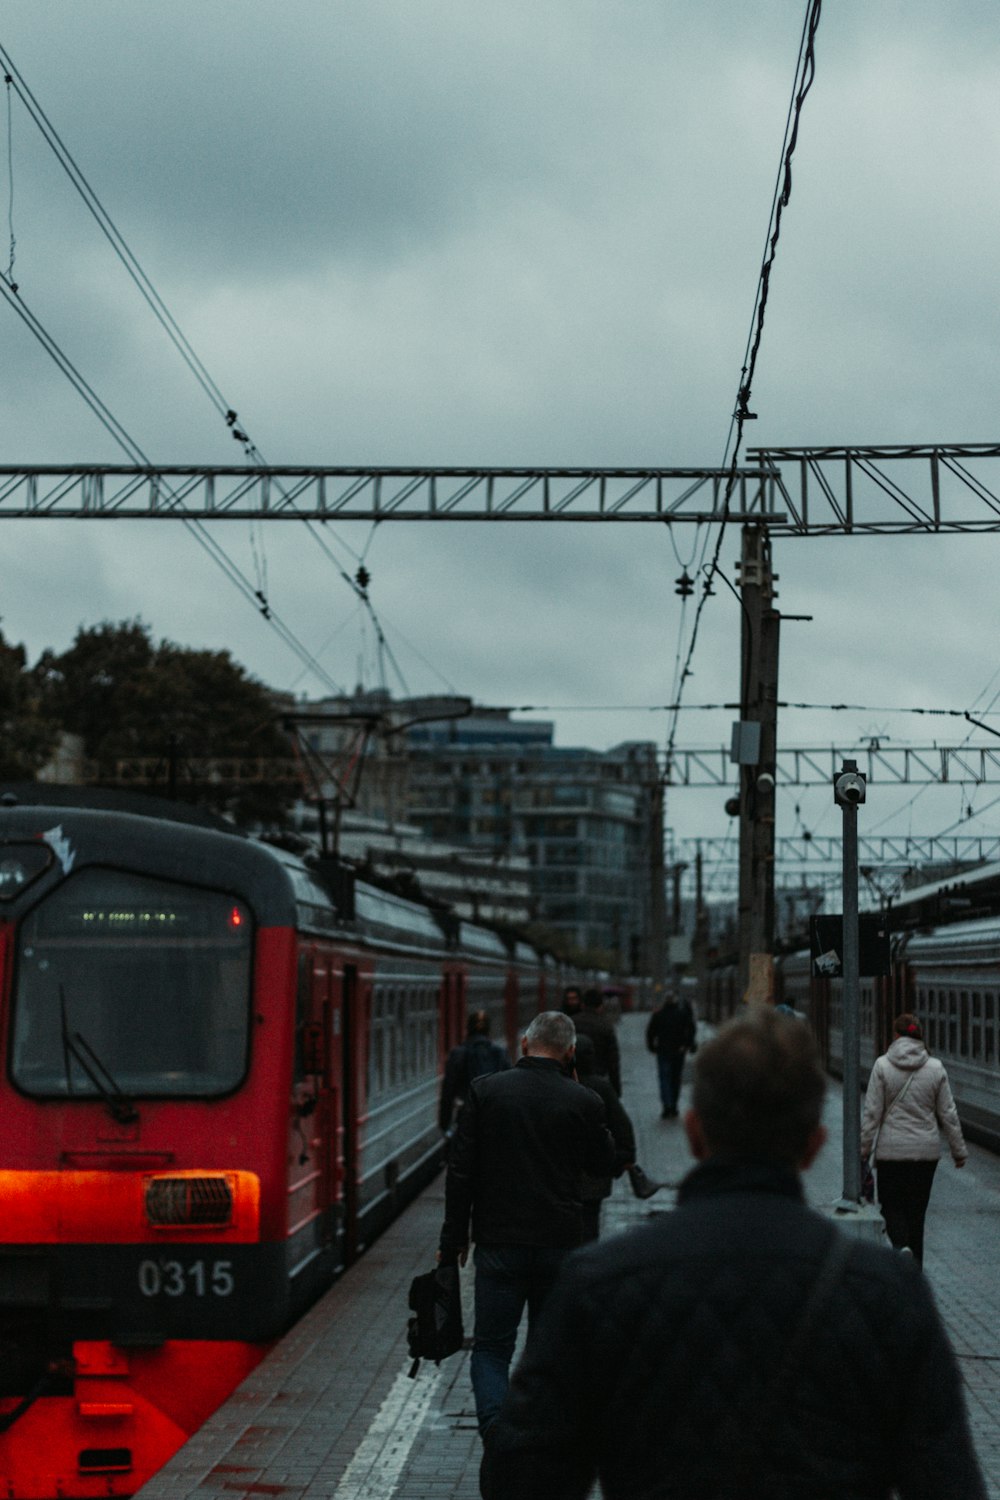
column 645, row 1364
column 523, row 1142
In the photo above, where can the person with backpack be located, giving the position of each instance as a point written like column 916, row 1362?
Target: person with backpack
column 476, row 1057
column 671, row 1035
column 523, row 1142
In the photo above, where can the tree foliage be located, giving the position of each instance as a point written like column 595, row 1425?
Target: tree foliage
column 28, row 735
column 188, row 723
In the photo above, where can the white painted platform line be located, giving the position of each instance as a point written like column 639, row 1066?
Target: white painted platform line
column 380, row 1459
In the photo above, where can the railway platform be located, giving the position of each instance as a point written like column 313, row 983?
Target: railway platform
column 332, row 1412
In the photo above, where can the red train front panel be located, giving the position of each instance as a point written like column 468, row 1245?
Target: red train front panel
column 149, row 1044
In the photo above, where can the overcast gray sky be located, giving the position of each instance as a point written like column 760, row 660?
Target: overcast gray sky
column 528, row 232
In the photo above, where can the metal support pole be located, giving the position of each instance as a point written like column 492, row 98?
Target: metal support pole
column 849, row 791
column 656, row 959
column 759, row 704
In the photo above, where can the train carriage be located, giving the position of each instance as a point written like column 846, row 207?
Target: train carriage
column 949, row 976
column 220, row 1081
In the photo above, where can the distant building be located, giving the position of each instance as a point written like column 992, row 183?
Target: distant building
column 474, row 779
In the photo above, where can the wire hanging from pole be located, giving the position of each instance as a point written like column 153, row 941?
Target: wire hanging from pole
column 8, row 80
column 804, row 75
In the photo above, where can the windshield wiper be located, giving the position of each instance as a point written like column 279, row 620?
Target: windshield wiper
column 119, row 1105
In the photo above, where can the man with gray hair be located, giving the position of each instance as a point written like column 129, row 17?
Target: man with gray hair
column 523, row 1142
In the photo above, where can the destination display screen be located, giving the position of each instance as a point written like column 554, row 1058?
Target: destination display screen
column 187, row 914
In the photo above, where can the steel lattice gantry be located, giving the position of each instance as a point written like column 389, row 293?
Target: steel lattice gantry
column 901, row 765
column 888, row 853
column 129, row 492
column 943, row 487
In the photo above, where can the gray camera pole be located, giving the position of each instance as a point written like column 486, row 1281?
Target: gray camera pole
column 847, row 782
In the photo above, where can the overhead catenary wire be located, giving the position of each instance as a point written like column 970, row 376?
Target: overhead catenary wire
column 173, row 330
column 805, row 72
column 135, row 453
column 112, row 234
column 8, row 80
column 678, row 706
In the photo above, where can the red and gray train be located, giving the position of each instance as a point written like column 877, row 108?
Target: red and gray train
column 220, row 1079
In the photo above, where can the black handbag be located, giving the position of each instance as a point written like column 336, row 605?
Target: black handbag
column 435, row 1330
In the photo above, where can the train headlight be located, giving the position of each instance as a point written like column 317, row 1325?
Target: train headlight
column 195, row 1202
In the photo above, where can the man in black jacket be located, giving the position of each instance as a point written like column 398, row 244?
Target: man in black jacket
column 598, row 1187
column 742, row 1347
column 523, row 1142
column 671, row 1035
column 594, row 1021
column 475, row 1057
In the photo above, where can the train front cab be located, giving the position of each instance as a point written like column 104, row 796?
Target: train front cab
column 148, row 1254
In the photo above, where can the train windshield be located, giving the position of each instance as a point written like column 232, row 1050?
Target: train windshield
column 149, row 978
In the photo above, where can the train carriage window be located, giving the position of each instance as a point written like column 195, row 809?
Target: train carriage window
column 389, row 1034
column 989, row 1031
column 150, row 978
column 952, row 1022
column 963, row 1023
column 409, row 1033
column 976, row 1026
column 377, row 1081
column 939, row 1009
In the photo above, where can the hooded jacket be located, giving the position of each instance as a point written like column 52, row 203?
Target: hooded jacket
column 906, row 1126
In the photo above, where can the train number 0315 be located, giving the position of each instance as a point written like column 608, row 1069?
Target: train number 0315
column 169, row 1278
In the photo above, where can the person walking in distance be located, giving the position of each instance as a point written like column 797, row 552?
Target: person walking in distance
column 523, row 1142
column 671, row 1035
column 572, row 1001
column 592, row 1020
column 597, row 1188
column 908, row 1104
column 476, row 1056
column 743, row 1346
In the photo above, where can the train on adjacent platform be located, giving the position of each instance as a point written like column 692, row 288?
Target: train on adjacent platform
column 220, row 1079
column 946, row 972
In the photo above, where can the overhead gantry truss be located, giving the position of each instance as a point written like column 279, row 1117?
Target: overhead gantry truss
column 125, row 492
column 945, row 487
column 902, row 765
column 885, row 852
column 942, row 487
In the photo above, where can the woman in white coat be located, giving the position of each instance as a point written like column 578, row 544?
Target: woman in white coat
column 907, row 1106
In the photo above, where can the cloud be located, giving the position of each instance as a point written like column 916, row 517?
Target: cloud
column 516, row 234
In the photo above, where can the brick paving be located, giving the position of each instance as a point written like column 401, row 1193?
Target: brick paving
column 331, row 1412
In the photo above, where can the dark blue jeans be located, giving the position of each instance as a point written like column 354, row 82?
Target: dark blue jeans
column 508, row 1278
column 671, row 1069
